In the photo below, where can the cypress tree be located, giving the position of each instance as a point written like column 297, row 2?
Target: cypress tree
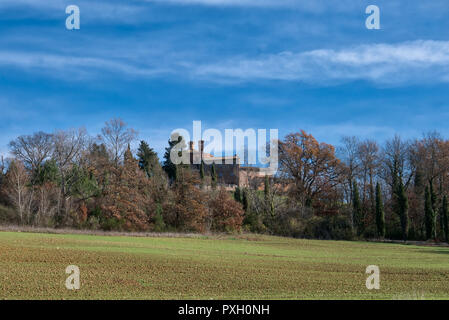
column 429, row 215
column 418, row 179
column 269, row 205
column 251, row 219
column 403, row 210
column 445, row 214
column 380, row 214
column 441, row 234
column 433, row 198
column 372, row 196
column 213, row 175
column 357, row 217
column 159, row 224
column 128, row 154
column 238, row 195
column 266, row 190
column 245, row 201
column 202, row 171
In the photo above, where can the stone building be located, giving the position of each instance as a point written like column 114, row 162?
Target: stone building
column 228, row 169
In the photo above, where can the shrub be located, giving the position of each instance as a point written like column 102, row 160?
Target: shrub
column 159, row 224
column 8, row 215
column 92, row 223
column 334, row 227
column 227, row 214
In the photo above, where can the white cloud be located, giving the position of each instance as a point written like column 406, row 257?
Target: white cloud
column 108, row 6
column 385, row 63
column 415, row 61
column 302, row 5
column 243, row 3
column 62, row 66
column 90, row 10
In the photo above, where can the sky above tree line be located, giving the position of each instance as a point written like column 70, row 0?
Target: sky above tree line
column 283, row 64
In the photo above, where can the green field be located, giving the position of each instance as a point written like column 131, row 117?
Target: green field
column 32, row 266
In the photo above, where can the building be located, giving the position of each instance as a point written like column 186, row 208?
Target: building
column 228, row 169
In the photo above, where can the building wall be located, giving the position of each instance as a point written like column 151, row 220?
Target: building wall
column 227, row 173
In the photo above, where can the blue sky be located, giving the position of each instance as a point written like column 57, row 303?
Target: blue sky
column 285, row 64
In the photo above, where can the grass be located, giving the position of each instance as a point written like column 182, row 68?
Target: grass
column 32, row 266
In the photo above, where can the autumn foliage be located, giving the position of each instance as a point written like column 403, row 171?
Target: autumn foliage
column 227, row 214
column 312, row 167
column 360, row 189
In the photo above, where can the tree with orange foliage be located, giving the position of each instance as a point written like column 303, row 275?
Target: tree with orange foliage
column 226, row 213
column 312, row 167
column 126, row 198
column 187, row 210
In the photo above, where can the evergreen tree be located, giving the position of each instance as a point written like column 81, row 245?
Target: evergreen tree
column 418, row 183
column 403, row 210
column 48, row 173
column 213, row 175
column 245, row 201
column 159, row 224
column 249, row 219
column 429, row 215
column 372, row 193
column 169, row 167
column 266, row 190
column 357, row 214
column 238, row 195
column 269, row 205
column 445, row 215
column 202, row 171
column 128, row 154
column 380, row 214
column 433, row 198
column 148, row 159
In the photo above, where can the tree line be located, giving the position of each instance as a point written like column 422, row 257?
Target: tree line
column 359, row 189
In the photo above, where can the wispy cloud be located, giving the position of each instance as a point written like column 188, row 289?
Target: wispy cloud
column 74, row 67
column 118, row 11
column 107, row 6
column 423, row 61
column 385, row 63
column 241, row 3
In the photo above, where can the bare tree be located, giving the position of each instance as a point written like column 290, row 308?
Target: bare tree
column 116, row 136
column 2, row 170
column 17, row 191
column 68, row 148
column 45, row 203
column 32, row 150
column 434, row 156
column 2, row 165
column 349, row 152
column 368, row 153
column 396, row 167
